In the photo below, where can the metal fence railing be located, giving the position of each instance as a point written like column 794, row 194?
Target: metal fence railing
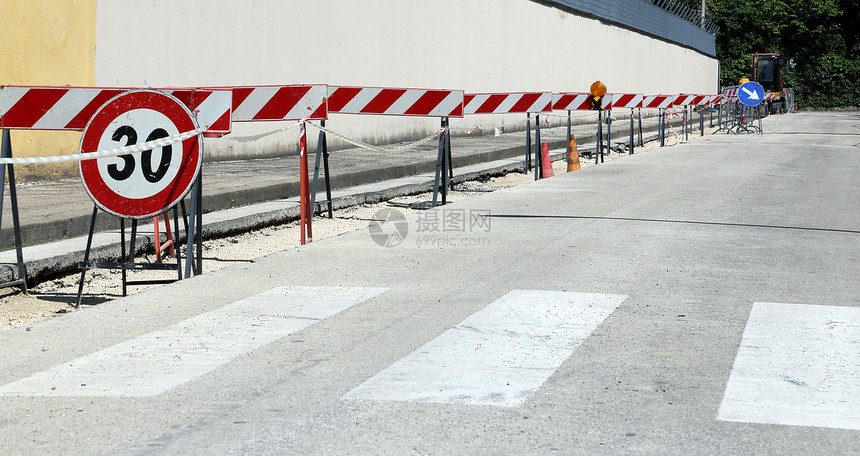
column 670, row 20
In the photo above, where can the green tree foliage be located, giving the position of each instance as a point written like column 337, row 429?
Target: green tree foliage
column 818, row 39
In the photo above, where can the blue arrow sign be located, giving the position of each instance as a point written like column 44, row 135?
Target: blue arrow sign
column 751, row 93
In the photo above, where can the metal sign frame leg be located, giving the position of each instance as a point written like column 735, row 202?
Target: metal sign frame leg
column 87, row 255
column 126, row 258
column 6, row 152
column 191, row 230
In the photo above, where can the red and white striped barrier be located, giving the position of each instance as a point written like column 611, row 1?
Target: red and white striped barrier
column 286, row 102
column 658, row 101
column 689, row 100
column 70, row 108
column 730, row 93
column 571, row 101
column 504, row 103
column 625, row 100
column 395, row 101
column 713, row 99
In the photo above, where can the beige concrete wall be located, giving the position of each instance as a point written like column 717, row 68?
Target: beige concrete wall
column 479, row 45
column 47, row 42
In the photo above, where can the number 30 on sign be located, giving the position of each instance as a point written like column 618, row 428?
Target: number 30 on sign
column 147, row 183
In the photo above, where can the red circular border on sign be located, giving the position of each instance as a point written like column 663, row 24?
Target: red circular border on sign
column 162, row 201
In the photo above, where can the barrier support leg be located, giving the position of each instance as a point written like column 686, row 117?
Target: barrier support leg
column 538, row 156
column 327, row 177
column 640, row 127
column 686, row 124
column 701, row 121
column 439, row 157
column 608, row 134
column 660, row 128
column 445, row 160
column 448, row 154
column 317, row 170
column 598, row 154
column 6, row 152
column 527, row 161
column 631, row 132
column 568, row 126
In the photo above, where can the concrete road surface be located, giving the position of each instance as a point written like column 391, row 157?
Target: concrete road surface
column 697, row 299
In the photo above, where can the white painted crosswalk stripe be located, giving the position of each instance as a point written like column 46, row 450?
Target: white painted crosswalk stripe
column 497, row 356
column 159, row 361
column 797, row 365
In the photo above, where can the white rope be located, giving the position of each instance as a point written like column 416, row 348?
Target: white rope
column 125, row 150
column 475, row 128
column 364, row 145
column 262, row 135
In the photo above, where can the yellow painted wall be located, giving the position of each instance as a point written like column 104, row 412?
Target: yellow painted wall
column 47, row 42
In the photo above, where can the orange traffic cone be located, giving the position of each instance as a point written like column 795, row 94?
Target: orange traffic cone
column 572, row 155
column 545, row 161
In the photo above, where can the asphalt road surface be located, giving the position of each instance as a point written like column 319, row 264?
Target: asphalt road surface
column 696, row 299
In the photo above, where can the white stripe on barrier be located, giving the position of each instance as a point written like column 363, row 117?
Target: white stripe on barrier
column 450, row 103
column 64, row 110
column 361, row 100
column 125, row 150
column 255, row 102
column 10, row 96
column 404, row 102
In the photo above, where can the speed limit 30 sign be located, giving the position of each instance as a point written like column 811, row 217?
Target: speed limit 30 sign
column 147, row 183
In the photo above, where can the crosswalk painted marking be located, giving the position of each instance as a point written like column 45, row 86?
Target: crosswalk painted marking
column 159, row 361
column 497, row 356
column 797, row 365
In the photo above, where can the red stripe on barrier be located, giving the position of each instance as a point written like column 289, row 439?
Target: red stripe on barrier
column 525, row 102
column 427, row 102
column 341, row 97
column 31, row 107
column 381, row 102
column 493, row 102
column 240, row 94
column 220, row 126
column 282, row 102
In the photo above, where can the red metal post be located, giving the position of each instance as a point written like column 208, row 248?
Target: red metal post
column 305, row 189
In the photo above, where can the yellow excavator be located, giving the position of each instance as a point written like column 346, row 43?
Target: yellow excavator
column 766, row 69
